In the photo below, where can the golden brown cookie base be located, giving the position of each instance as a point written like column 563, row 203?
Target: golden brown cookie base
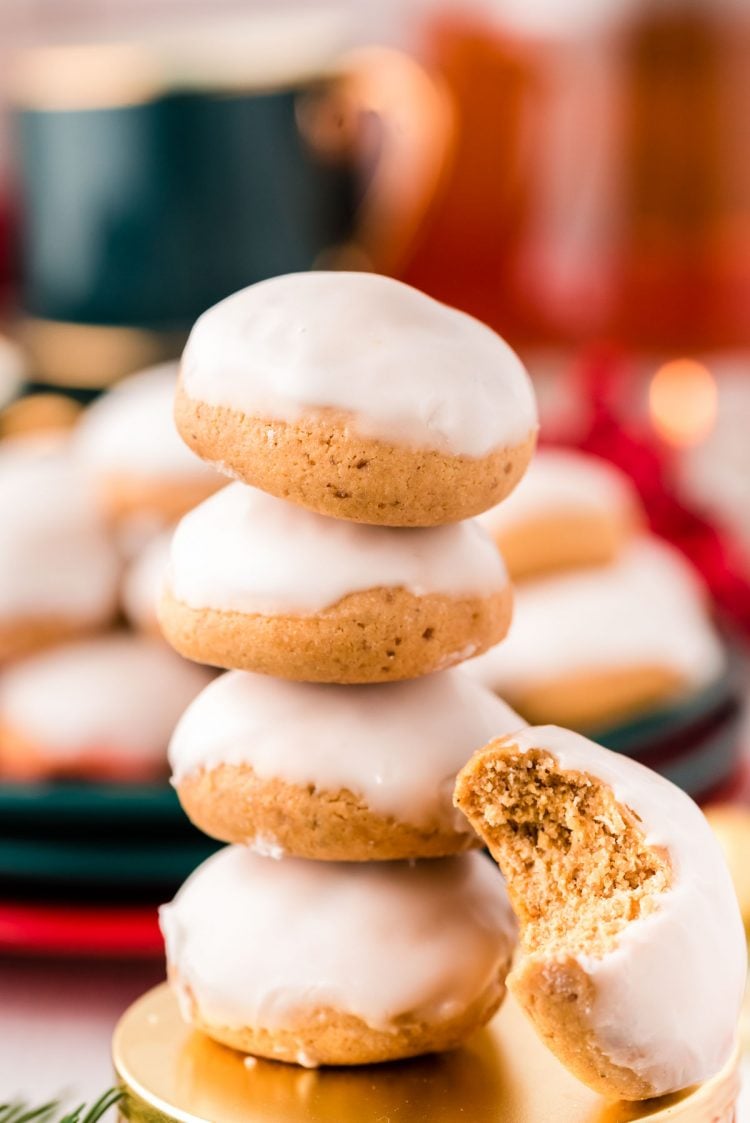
column 231, row 803
column 162, row 500
column 595, row 698
column 569, row 540
column 380, row 635
column 23, row 759
column 558, row 997
column 323, row 464
column 330, row 1037
column 24, row 637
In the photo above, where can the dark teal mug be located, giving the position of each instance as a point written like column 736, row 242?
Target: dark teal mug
column 142, row 205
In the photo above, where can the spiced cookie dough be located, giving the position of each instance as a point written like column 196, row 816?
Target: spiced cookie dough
column 59, row 570
column 358, row 397
column 571, row 509
column 258, row 584
column 596, row 646
column 324, row 963
column 632, row 957
column 142, row 471
column 334, row 773
column 102, row 708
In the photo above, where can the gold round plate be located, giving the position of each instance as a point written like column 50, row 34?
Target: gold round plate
column 172, row 1074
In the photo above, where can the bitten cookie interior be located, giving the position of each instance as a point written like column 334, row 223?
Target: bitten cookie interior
column 632, row 956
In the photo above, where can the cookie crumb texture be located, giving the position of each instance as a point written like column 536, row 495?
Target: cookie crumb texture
column 232, row 803
column 578, row 872
column 323, row 464
column 380, row 635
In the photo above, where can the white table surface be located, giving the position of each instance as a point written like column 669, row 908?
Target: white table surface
column 56, row 1021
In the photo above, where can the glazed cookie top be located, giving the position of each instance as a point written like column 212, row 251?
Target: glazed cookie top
column 130, row 431
column 410, row 371
column 56, row 558
column 245, row 551
column 561, row 480
column 397, row 746
column 646, row 609
column 267, row 943
column 114, row 694
column 667, row 997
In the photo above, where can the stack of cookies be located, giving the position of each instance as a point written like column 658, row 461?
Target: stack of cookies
column 351, row 920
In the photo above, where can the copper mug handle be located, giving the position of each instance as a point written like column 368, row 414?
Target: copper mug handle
column 415, row 144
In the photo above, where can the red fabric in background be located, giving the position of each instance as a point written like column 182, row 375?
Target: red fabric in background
column 598, row 380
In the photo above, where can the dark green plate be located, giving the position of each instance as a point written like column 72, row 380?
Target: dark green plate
column 634, row 736
column 50, row 806
column 42, row 862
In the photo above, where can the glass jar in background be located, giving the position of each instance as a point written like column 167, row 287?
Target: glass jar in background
column 600, row 186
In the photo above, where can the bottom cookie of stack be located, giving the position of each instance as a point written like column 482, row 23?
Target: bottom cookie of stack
column 339, row 964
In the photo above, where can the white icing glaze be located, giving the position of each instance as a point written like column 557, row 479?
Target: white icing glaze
column 118, row 695
column 246, row 551
column 144, row 581
column 130, row 431
column 647, row 608
column 667, row 998
column 264, row 943
column 396, row 746
column 409, row 369
column 56, row 559
column 560, row 481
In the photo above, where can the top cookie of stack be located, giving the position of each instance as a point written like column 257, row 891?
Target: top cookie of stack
column 356, row 396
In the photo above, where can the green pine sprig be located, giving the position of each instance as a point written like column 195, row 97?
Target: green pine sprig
column 50, row 1112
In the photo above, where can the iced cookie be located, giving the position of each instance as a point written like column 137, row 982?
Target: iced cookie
column 359, row 397
column 570, row 509
column 102, row 708
column 632, row 954
column 324, row 963
column 593, row 647
column 337, row 773
column 59, row 570
column 143, row 583
column 258, row 584
column 127, row 440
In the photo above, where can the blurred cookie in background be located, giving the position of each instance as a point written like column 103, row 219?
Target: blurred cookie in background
column 143, row 583
column 597, row 646
column 145, row 477
column 39, row 413
column 99, row 709
column 12, row 370
column 570, row 509
column 59, row 570
column 731, row 825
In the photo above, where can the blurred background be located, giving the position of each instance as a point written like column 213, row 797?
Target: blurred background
column 576, row 174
